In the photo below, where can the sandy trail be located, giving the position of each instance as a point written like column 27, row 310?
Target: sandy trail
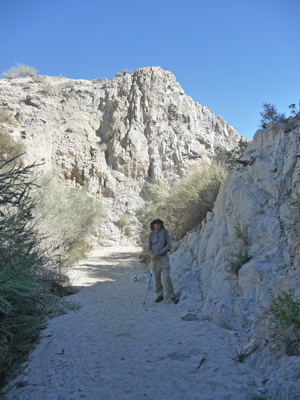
column 116, row 348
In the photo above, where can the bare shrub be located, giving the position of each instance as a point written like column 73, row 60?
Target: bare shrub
column 19, row 70
column 122, row 222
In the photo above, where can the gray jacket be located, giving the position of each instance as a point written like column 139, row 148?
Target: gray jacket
column 159, row 241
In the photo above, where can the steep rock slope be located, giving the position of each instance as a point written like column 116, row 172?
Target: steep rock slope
column 114, row 135
column 253, row 214
column 248, row 245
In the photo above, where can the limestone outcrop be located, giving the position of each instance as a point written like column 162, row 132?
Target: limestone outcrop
column 114, row 135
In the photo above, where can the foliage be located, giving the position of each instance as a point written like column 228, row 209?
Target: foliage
column 270, row 114
column 237, row 259
column 285, row 308
column 67, row 215
column 184, row 206
column 24, row 299
column 284, row 311
column 242, row 232
column 240, row 257
column 233, row 155
column 293, row 109
column 294, row 228
column 19, row 70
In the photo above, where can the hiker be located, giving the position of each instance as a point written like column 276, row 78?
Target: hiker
column 159, row 243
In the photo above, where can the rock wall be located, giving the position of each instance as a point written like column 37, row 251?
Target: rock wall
column 253, row 214
column 114, row 135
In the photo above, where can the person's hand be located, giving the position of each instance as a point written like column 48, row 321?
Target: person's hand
column 157, row 254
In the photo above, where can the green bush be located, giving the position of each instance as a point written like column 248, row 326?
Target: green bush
column 284, row 311
column 236, row 260
column 185, row 205
column 285, row 308
column 25, row 300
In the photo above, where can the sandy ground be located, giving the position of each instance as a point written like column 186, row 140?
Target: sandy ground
column 116, row 348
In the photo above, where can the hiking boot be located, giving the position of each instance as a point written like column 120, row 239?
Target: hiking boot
column 160, row 298
column 175, row 300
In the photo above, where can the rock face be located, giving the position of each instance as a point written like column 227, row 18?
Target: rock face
column 248, row 245
column 114, row 135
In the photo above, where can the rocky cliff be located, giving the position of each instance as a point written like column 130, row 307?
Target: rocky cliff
column 250, row 242
column 114, row 135
column 248, row 245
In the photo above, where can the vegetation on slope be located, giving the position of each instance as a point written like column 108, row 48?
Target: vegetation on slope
column 184, row 206
column 41, row 227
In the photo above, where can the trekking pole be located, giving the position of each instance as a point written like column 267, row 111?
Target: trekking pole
column 153, row 263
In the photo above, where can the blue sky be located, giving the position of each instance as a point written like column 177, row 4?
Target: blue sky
column 230, row 55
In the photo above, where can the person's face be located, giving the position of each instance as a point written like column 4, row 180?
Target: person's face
column 157, row 226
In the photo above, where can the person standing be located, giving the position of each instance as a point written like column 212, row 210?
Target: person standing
column 159, row 244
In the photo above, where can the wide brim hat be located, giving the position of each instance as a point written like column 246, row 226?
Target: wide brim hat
column 156, row 220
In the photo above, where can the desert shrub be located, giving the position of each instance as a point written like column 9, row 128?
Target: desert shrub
column 285, row 308
column 284, row 311
column 19, row 70
column 241, row 232
column 25, row 300
column 122, row 222
column 237, row 259
column 241, row 256
column 184, row 206
column 67, row 216
column 270, row 114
